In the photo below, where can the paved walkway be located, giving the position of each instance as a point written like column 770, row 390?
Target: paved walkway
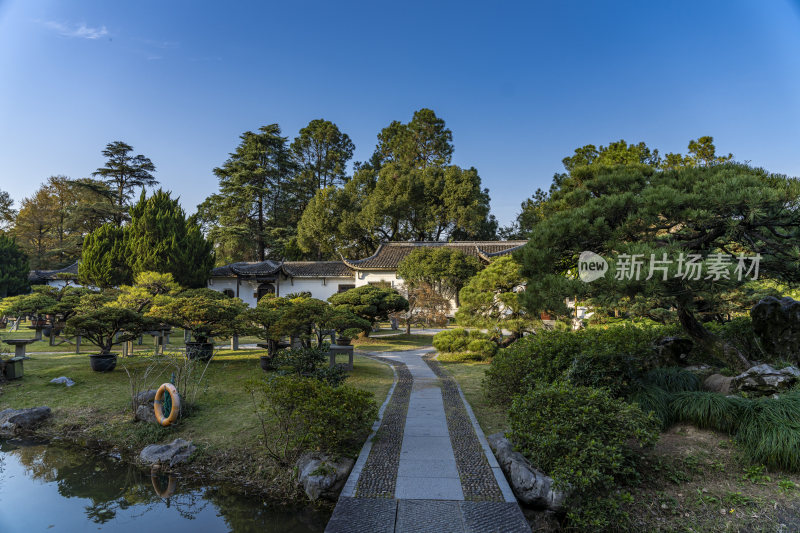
column 428, row 466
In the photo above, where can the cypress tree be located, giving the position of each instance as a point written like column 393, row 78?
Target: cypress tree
column 160, row 239
column 13, row 268
column 103, row 260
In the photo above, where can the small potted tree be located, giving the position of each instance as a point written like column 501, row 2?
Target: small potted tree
column 204, row 317
column 370, row 302
column 106, row 327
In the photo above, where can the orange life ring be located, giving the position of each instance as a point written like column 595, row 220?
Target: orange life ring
column 158, row 403
column 172, row 484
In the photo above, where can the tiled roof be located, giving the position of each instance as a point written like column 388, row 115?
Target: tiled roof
column 69, row 272
column 389, row 254
column 317, row 269
column 257, row 268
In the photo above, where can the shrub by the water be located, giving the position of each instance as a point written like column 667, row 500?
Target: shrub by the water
column 310, row 415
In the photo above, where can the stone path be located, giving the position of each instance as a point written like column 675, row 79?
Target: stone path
column 428, row 467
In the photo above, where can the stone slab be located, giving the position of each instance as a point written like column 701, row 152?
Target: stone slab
column 423, row 516
column 430, row 468
column 428, row 488
column 363, row 515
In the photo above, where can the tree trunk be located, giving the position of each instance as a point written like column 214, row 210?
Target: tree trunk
column 506, row 342
column 714, row 345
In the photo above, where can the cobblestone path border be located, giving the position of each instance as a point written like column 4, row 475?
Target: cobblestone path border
column 379, row 475
column 477, row 478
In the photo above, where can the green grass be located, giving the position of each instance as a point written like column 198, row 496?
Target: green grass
column 769, row 431
column 392, row 343
column 673, row 379
column 97, row 406
column 470, row 377
column 707, row 410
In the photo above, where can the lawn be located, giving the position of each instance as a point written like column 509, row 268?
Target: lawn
column 469, row 377
column 97, row 406
column 392, row 343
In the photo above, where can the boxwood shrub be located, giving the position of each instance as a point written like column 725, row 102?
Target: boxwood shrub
column 475, row 342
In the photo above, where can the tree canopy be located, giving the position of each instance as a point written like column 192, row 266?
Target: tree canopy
column 445, row 269
column 370, row 302
column 708, row 219
column 124, row 172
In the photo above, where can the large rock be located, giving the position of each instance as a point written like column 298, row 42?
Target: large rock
column 321, row 476
column 776, row 323
column 531, row 486
column 763, row 380
column 18, row 421
column 170, row 454
column 673, row 350
column 718, row 383
column 144, row 406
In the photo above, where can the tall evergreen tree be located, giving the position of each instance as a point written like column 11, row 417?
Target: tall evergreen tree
column 7, row 212
column 321, row 152
column 13, row 268
column 124, row 171
column 160, row 239
column 104, row 258
column 255, row 213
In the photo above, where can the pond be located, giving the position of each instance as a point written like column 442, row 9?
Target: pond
column 50, row 487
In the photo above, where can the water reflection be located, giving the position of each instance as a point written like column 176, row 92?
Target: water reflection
column 50, row 487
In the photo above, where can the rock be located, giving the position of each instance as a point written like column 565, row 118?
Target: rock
column 673, row 350
column 531, row 486
column 63, row 380
column 776, row 323
column 16, row 421
column 173, row 453
column 718, row 383
column 144, row 406
column 763, row 380
column 321, row 476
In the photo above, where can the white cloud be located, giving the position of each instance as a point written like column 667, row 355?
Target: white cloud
column 81, row 31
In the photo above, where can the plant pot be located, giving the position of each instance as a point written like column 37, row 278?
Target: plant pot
column 545, row 316
column 103, row 362
column 38, row 322
column 343, row 341
column 200, row 350
column 267, row 363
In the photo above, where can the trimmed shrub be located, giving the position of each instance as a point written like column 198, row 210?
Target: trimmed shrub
column 612, row 357
column 579, row 435
column 459, row 357
column 483, row 347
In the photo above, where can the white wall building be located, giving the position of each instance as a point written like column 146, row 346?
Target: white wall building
column 250, row 281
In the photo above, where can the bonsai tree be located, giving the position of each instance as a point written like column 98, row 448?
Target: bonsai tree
column 206, row 318
column 370, row 302
column 34, row 304
column 147, row 286
column 346, row 324
column 492, row 300
column 302, row 318
column 265, row 320
column 108, row 326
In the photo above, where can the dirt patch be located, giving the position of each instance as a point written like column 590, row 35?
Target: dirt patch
column 697, row 480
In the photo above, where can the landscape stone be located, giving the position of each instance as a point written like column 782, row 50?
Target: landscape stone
column 173, row 453
column 144, row 406
column 17, row 421
column 763, row 380
column 776, row 323
column 718, row 383
column 530, row 486
column 321, row 476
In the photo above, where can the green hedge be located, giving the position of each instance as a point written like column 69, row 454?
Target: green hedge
column 478, row 344
column 613, row 358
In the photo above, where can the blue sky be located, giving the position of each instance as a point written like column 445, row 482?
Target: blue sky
column 521, row 85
